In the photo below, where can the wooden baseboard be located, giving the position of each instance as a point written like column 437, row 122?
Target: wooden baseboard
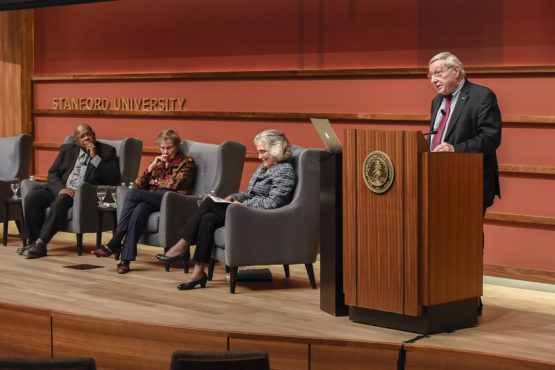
column 509, row 272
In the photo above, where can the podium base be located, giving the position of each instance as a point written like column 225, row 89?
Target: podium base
column 440, row 318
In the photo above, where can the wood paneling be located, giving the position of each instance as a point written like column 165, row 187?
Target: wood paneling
column 522, row 219
column 547, row 277
column 16, row 67
column 284, row 354
column 420, row 119
column 354, row 356
column 424, row 358
column 25, row 331
column 414, row 145
column 452, row 261
column 350, row 256
column 351, row 72
column 117, row 344
column 380, row 234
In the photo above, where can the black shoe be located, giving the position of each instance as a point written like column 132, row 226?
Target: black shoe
column 37, row 250
column 192, row 284
column 169, row 260
column 20, row 250
column 162, row 257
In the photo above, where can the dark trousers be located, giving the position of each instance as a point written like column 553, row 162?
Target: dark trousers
column 37, row 225
column 199, row 229
column 138, row 205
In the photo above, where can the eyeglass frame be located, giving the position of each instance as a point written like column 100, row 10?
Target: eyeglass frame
column 438, row 74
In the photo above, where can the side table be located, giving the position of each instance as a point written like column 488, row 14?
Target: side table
column 13, row 204
column 101, row 210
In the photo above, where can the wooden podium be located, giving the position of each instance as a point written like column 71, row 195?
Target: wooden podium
column 412, row 255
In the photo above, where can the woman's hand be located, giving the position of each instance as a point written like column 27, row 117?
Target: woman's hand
column 230, row 199
column 158, row 161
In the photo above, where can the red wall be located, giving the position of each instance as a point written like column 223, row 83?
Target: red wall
column 139, row 36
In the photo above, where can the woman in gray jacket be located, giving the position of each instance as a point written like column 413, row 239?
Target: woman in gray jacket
column 271, row 186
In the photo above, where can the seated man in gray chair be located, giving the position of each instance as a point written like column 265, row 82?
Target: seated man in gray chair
column 85, row 160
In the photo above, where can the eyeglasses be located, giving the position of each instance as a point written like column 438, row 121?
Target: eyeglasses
column 261, row 152
column 437, row 74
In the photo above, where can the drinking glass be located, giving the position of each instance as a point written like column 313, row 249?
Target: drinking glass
column 114, row 190
column 15, row 187
column 101, row 194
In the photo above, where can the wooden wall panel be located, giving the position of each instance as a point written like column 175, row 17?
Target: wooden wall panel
column 283, row 354
column 424, row 358
column 353, row 356
column 380, row 235
column 350, row 256
column 455, row 227
column 117, row 344
column 25, row 332
column 16, row 67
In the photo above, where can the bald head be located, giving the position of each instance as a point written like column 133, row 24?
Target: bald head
column 84, row 135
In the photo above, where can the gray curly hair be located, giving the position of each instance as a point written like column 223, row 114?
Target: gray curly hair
column 276, row 144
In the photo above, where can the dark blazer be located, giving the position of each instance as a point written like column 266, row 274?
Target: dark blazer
column 107, row 172
column 475, row 126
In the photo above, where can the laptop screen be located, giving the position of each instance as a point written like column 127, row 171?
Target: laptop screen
column 327, row 134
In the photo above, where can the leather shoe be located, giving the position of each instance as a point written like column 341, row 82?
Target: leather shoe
column 192, row 284
column 162, row 257
column 123, row 268
column 20, row 250
column 37, row 250
column 169, row 260
column 104, row 251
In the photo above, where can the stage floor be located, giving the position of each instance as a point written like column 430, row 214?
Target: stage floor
column 518, row 317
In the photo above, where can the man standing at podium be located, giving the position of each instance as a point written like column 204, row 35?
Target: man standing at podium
column 466, row 117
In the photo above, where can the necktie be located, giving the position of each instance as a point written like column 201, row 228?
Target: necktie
column 83, row 168
column 441, row 127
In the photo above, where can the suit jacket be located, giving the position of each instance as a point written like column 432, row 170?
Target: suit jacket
column 475, row 126
column 107, row 172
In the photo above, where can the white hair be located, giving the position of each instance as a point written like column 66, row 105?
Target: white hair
column 276, row 144
column 450, row 61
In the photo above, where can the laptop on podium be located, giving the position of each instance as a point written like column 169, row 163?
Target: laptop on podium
column 327, row 134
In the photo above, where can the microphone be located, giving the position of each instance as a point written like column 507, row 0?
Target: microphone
column 433, row 132
column 442, row 112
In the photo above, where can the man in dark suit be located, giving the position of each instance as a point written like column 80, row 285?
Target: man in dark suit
column 84, row 160
column 466, row 117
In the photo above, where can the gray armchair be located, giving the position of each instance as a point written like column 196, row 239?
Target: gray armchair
column 15, row 157
column 284, row 236
column 218, row 168
column 82, row 217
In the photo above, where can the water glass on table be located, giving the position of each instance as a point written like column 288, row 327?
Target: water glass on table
column 14, row 184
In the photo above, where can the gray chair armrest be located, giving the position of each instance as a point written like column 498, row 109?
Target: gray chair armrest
column 174, row 212
column 85, row 202
column 231, row 158
column 121, row 193
column 278, row 231
column 26, row 187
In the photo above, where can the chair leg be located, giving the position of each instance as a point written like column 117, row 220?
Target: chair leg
column 310, row 272
column 79, row 244
column 211, row 269
column 286, row 269
column 233, row 278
